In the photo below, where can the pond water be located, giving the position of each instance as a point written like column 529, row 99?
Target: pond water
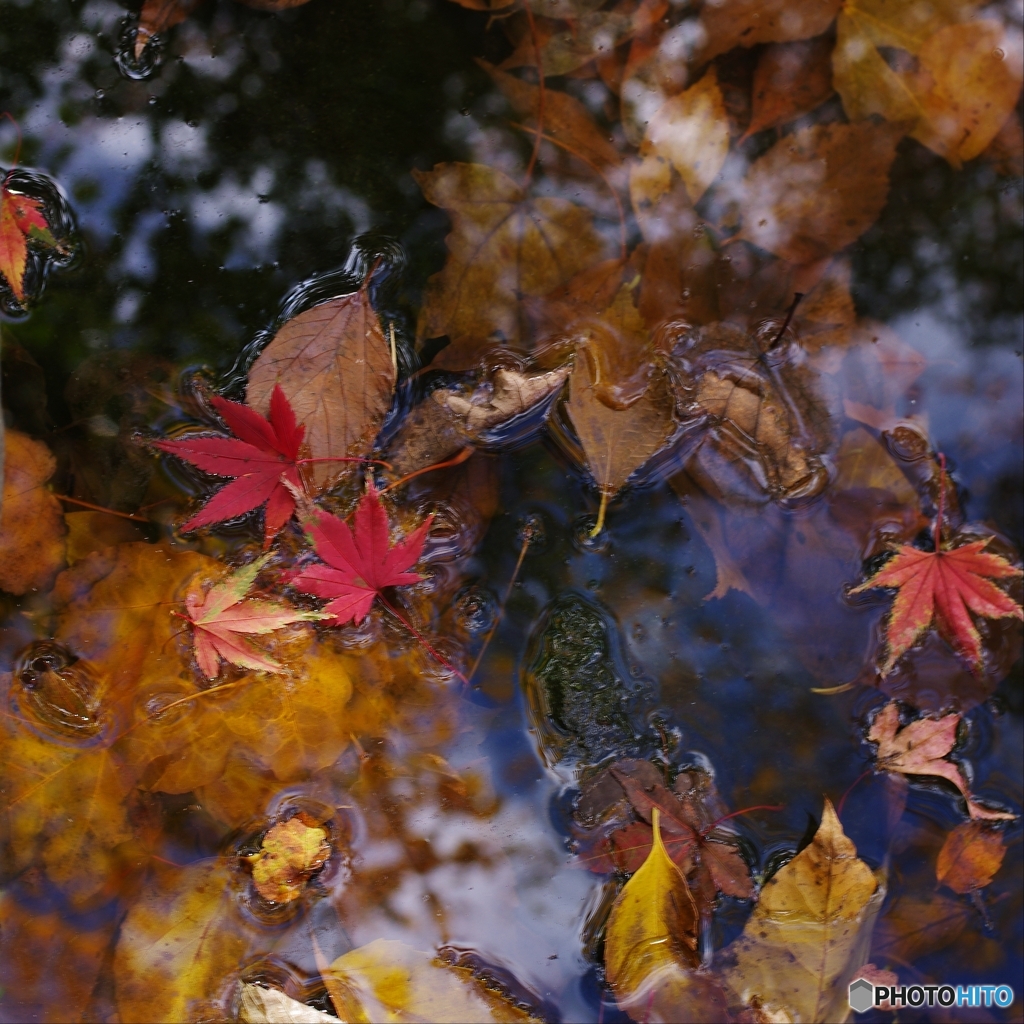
column 252, row 164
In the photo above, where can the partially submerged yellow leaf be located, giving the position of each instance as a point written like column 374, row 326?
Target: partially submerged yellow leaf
column 810, row 930
column 388, row 981
column 290, row 853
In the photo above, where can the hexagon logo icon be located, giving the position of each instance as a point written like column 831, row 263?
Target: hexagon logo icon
column 862, row 995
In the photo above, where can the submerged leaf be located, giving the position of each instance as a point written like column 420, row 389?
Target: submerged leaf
column 810, row 930
column 790, row 80
column 729, row 23
column 971, row 855
column 31, row 519
column 504, row 247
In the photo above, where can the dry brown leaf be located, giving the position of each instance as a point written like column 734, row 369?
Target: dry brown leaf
column 31, row 518
column 790, row 80
column 504, row 247
column 971, row 855
column 691, row 132
column 617, row 442
column 565, row 118
column 817, row 190
column 729, row 23
column 334, row 364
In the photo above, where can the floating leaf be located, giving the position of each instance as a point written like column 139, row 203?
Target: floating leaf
column 334, row 366
column 504, row 246
column 259, row 1005
column 971, row 855
column 922, row 748
column 290, row 853
column 388, row 981
column 21, row 218
column 809, row 931
column 817, row 190
column 31, row 521
column 691, row 132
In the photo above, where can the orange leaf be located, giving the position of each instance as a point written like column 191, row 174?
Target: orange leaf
column 18, row 216
column 970, row 856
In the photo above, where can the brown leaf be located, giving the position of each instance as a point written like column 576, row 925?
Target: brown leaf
column 93, row 531
column 158, row 16
column 31, row 518
column 729, row 23
column 504, row 246
column 971, row 855
column 617, row 442
column 290, row 853
column 565, row 118
column 790, row 80
column 334, row 364
column 912, row 928
column 817, row 190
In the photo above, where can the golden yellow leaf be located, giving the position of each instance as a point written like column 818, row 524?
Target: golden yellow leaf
column 290, row 853
column 817, row 190
column 388, row 981
column 31, row 518
column 691, row 131
column 504, row 246
column 334, row 364
column 182, row 945
column 810, row 930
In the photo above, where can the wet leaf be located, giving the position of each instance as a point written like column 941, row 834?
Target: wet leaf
column 691, row 132
column 912, row 928
column 817, row 190
column 504, row 246
column 181, row 945
column 971, row 855
column 221, row 619
column 943, row 587
column 291, row 852
column 334, row 366
column 31, row 518
column 729, row 23
column 923, row 748
column 809, row 931
column 790, row 80
column 388, row 981
column 261, row 1005
column 93, row 531
column 617, row 442
column 264, row 455
column 21, row 218
column 565, row 118
column 358, row 564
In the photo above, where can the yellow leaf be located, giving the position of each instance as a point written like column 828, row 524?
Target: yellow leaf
column 388, row 981
column 691, row 131
column 810, row 931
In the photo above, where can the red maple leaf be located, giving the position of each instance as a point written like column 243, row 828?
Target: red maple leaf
column 264, row 456
column 221, row 620
column 20, row 217
column 358, row 565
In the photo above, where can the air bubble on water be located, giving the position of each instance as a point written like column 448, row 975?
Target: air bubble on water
column 582, row 539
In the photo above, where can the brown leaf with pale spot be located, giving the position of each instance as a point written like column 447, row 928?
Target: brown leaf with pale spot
column 31, row 519
column 504, row 247
column 971, row 855
column 334, row 365
column 817, row 190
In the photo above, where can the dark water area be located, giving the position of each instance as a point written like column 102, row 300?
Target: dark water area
column 261, row 159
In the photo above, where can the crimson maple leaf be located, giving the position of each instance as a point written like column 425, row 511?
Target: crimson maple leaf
column 358, row 565
column 20, row 218
column 942, row 585
column 263, row 455
column 220, row 621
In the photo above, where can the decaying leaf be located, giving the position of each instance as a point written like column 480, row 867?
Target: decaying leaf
column 504, row 247
column 334, row 366
column 971, row 855
column 290, row 853
column 389, row 981
column 809, row 931
column 691, row 132
column 729, row 23
column 817, row 190
column 32, row 528
column 617, row 442
column 922, row 748
column 221, row 619
column 943, row 586
column 790, row 80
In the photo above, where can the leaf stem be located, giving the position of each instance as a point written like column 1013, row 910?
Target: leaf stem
column 599, row 525
column 419, row 636
column 540, row 97
column 797, row 296
column 101, row 508
column 942, row 502
column 344, row 458
column 456, row 460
